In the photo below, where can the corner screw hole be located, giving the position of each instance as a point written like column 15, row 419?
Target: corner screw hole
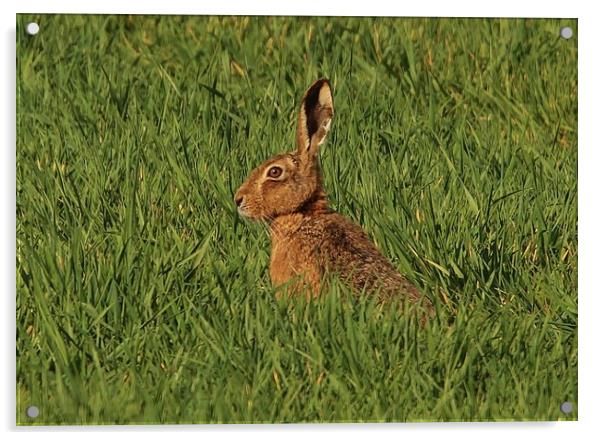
column 566, row 407
column 32, row 412
column 32, row 28
column 566, row 33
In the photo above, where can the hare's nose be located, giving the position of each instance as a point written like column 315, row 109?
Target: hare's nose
column 238, row 200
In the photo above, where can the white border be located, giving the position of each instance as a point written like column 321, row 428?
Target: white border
column 508, row 8
column 590, row 143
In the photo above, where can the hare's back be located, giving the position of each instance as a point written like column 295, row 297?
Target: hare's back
column 345, row 248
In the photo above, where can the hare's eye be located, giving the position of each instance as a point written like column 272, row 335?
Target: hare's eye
column 275, row 172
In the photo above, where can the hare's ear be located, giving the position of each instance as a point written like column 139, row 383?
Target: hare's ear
column 314, row 118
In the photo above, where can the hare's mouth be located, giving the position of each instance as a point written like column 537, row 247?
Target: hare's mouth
column 243, row 211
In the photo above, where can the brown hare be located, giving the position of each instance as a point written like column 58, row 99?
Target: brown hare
column 310, row 240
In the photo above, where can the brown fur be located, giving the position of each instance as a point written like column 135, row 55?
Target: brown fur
column 309, row 240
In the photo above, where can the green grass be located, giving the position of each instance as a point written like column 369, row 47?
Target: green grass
column 142, row 297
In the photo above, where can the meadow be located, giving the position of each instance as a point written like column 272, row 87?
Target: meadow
column 142, row 296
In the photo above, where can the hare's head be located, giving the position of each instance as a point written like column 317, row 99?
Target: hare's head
column 287, row 183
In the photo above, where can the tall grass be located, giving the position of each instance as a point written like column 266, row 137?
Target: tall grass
column 142, row 297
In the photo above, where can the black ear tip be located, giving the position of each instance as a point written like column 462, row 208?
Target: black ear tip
column 317, row 85
column 312, row 94
column 321, row 82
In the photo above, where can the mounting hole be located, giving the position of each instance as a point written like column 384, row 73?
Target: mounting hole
column 566, row 407
column 32, row 28
column 32, row 412
column 566, row 33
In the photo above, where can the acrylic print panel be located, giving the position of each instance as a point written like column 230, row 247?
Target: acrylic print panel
column 283, row 219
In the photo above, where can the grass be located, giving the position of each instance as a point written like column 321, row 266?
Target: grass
column 142, row 297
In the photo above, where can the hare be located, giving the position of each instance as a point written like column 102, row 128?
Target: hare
column 310, row 240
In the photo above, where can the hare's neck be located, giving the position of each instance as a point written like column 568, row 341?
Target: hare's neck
column 316, row 204
column 285, row 226
column 288, row 224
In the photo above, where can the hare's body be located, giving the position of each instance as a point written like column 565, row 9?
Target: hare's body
column 307, row 246
column 309, row 240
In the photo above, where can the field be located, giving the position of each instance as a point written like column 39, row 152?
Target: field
column 142, row 296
